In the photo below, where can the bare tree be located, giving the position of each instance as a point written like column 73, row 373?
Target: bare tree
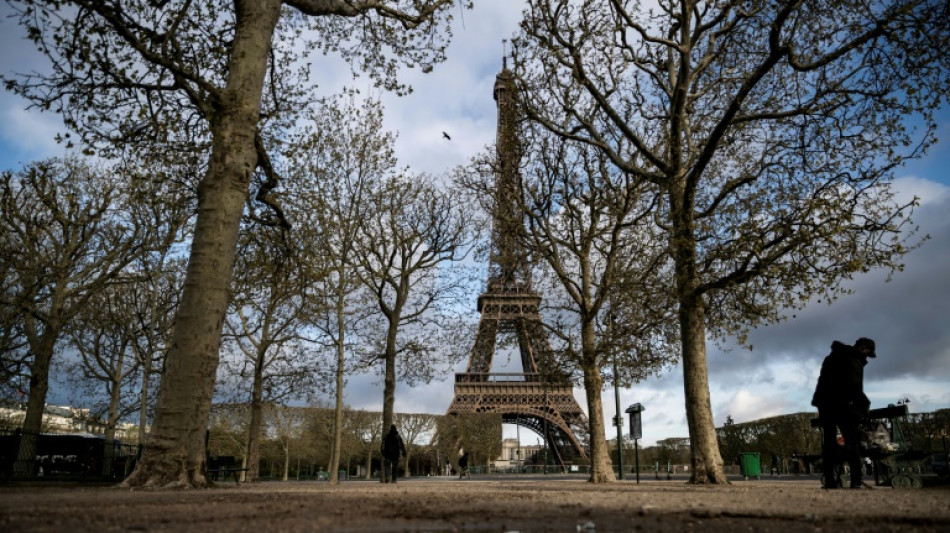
column 122, row 333
column 337, row 162
column 105, row 360
column 405, row 253
column 273, row 356
column 287, row 425
column 227, row 433
column 68, row 231
column 413, row 427
column 14, row 365
column 366, row 434
column 770, row 130
column 195, row 73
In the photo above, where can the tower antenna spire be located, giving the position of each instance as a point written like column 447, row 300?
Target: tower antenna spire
column 504, row 53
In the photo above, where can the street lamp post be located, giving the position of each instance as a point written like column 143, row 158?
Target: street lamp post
column 618, row 420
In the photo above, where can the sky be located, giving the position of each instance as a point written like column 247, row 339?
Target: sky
column 907, row 316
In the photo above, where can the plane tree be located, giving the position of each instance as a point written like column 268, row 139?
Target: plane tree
column 69, row 229
column 105, row 367
column 363, row 437
column 212, row 75
column 14, row 365
column 771, row 131
column 269, row 354
column 600, row 264
column 286, row 424
column 408, row 256
column 337, row 158
column 479, row 434
column 412, row 427
column 121, row 334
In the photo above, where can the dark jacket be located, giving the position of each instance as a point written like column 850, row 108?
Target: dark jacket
column 393, row 446
column 841, row 382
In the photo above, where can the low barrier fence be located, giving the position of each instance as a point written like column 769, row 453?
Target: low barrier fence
column 85, row 457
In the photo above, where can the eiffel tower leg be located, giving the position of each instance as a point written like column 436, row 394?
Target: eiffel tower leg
column 483, row 352
column 526, row 345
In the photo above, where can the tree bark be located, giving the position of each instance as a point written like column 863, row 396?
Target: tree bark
column 175, row 453
column 340, row 360
column 706, row 459
column 143, row 400
column 255, row 424
column 113, row 416
column 601, row 469
column 36, row 401
column 286, row 474
column 389, row 382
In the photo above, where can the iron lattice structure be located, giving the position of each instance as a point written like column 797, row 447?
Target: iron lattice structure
column 539, row 398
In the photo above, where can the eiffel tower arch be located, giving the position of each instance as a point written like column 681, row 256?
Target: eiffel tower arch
column 539, row 397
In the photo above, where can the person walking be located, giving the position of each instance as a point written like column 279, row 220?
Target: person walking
column 392, row 448
column 463, row 464
column 842, row 404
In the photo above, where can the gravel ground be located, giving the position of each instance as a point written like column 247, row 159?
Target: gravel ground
column 480, row 504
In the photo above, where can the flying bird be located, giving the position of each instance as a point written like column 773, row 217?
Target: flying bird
column 446, row 135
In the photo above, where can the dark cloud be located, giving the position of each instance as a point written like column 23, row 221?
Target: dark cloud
column 906, row 316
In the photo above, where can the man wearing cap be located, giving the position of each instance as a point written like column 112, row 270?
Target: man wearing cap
column 842, row 404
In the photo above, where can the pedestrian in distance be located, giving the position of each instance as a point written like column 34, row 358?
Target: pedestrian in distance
column 842, row 405
column 463, row 464
column 391, row 449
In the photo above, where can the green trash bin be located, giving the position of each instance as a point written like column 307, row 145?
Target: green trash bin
column 749, row 465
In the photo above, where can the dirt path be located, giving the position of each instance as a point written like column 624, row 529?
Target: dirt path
column 497, row 505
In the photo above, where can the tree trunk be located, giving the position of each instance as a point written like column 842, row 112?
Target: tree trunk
column 108, row 450
column 706, row 460
column 175, row 454
column 254, row 425
column 389, row 382
column 36, row 401
column 601, row 469
column 143, row 401
column 338, row 408
column 286, row 474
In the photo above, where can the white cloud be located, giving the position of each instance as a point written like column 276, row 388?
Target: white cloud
column 28, row 134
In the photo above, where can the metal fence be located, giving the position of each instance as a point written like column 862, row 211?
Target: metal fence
column 67, row 457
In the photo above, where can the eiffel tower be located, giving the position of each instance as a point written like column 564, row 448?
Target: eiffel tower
column 539, row 398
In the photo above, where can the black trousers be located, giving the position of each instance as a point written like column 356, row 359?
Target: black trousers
column 389, row 469
column 831, row 421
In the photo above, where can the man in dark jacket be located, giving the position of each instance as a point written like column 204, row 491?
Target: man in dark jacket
column 392, row 448
column 842, row 404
